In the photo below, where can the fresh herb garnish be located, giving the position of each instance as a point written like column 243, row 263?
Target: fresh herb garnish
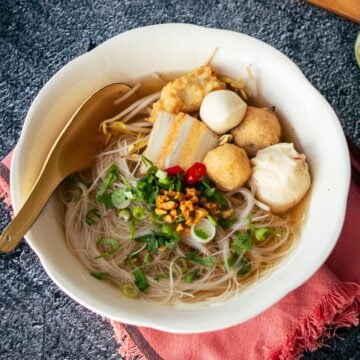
column 147, row 258
column 132, row 229
column 111, row 176
column 129, row 290
column 201, row 233
column 191, row 276
column 194, row 257
column 226, row 224
column 147, row 188
column 155, row 240
column 119, row 199
column 124, row 214
column 100, row 275
column 91, row 216
column 212, row 194
column 262, row 234
column 140, row 279
column 108, row 247
column 242, row 243
column 139, row 213
column 161, row 276
column 245, row 267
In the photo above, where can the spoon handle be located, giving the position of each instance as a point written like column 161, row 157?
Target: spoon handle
column 39, row 196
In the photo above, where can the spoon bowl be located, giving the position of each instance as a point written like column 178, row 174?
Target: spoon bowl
column 75, row 149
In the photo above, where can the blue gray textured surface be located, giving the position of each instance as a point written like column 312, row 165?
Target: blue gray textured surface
column 38, row 321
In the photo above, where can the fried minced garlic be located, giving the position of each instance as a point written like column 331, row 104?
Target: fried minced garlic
column 186, row 208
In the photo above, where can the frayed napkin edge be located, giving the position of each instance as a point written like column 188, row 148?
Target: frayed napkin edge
column 338, row 308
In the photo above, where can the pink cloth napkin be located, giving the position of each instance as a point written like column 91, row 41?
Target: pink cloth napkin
column 299, row 322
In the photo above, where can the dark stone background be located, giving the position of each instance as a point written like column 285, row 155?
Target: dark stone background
column 37, row 38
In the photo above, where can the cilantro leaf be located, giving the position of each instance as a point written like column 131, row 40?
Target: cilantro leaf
column 212, row 194
column 242, row 243
column 194, row 257
column 155, row 240
column 245, row 267
column 226, row 224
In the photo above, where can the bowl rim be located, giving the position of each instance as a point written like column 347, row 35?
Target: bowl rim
column 271, row 299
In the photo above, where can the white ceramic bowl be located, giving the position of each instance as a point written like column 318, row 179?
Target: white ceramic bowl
column 177, row 47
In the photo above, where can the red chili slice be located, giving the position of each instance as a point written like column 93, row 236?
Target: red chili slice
column 195, row 173
column 174, row 170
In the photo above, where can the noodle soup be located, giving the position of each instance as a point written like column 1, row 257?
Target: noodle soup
column 175, row 210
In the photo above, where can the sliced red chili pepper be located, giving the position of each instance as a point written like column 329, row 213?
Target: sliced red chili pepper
column 195, row 173
column 174, row 170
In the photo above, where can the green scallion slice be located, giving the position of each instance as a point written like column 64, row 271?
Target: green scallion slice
column 108, row 247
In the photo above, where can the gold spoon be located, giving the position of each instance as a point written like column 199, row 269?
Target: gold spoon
column 75, row 149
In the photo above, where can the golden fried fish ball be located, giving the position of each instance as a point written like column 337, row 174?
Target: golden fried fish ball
column 259, row 128
column 228, row 166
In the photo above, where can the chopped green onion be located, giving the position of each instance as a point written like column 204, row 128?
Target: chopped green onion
column 100, row 275
column 138, row 213
column 201, row 233
column 125, row 181
column 165, row 182
column 91, row 215
column 262, row 234
column 124, row 214
column 132, row 229
column 212, row 220
column 140, row 279
column 146, row 161
column 129, row 195
column 129, row 290
column 169, row 231
column 119, row 200
column 147, row 258
column 190, row 276
column 111, row 176
column 160, row 174
column 109, row 246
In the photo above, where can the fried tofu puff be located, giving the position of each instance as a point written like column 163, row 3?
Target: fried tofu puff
column 186, row 93
column 281, row 176
column 259, row 129
column 228, row 166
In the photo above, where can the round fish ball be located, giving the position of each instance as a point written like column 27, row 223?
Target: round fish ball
column 260, row 128
column 221, row 110
column 281, row 176
column 228, row 166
